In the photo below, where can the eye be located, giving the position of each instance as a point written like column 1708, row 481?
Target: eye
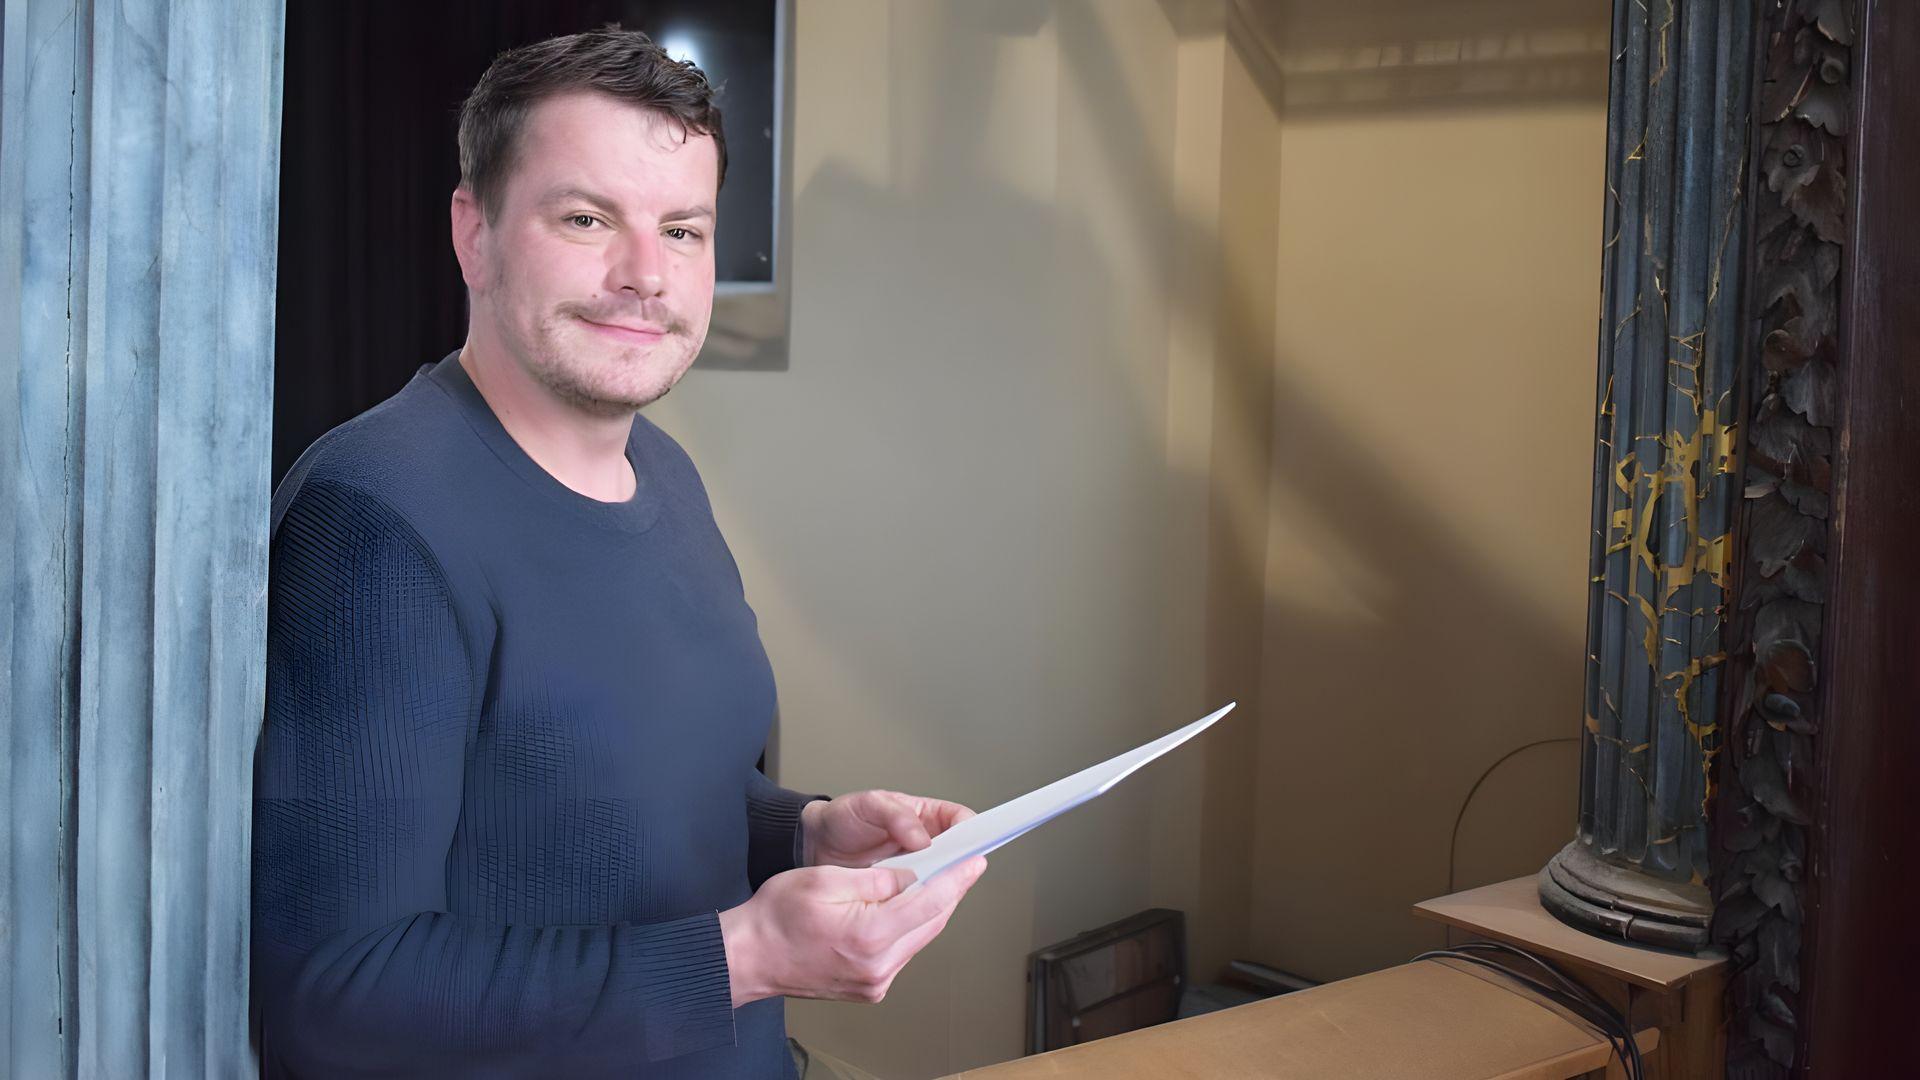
column 681, row 232
column 583, row 221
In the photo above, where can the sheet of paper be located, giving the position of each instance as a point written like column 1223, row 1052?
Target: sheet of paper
column 990, row 829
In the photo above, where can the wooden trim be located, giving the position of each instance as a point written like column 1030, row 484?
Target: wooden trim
column 1861, row 973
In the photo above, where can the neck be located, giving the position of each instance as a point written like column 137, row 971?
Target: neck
column 586, row 453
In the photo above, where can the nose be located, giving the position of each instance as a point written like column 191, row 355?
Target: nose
column 638, row 265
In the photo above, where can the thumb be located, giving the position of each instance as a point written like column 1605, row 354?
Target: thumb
column 878, row 884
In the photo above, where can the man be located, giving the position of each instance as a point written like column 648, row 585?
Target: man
column 507, row 818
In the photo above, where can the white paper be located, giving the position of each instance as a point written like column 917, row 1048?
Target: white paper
column 986, row 831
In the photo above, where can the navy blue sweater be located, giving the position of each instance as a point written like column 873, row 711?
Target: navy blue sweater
column 507, row 776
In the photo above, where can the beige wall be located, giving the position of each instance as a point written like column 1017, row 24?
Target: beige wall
column 1434, row 357
column 953, row 512
column 1114, row 394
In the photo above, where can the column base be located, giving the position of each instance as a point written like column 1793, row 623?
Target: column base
column 1617, row 901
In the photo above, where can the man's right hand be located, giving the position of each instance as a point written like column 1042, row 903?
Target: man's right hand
column 834, row 933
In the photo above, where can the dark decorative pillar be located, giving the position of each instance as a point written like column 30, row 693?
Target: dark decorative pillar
column 1665, row 485
column 1800, row 222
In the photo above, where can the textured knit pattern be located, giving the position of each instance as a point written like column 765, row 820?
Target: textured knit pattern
column 506, row 779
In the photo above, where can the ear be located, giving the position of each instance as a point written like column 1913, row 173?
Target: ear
column 469, row 237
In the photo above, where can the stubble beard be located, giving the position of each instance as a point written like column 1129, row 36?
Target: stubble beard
column 589, row 372
column 599, row 380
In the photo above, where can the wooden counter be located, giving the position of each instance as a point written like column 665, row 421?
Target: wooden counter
column 1432, row 1020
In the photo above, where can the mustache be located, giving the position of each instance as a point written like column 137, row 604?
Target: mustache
column 651, row 311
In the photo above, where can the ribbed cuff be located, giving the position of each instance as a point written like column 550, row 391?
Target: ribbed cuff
column 678, row 971
column 799, row 832
column 775, row 843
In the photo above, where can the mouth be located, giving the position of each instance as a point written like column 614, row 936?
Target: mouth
column 631, row 335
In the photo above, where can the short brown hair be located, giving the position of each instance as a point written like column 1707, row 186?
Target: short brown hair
column 624, row 64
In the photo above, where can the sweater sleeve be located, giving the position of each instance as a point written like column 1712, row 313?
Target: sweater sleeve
column 373, row 693
column 775, row 843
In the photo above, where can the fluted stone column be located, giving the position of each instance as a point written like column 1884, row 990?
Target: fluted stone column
column 138, row 193
column 1665, row 470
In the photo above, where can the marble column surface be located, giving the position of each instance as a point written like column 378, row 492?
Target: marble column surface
column 139, row 160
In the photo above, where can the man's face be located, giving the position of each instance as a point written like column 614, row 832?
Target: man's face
column 598, row 271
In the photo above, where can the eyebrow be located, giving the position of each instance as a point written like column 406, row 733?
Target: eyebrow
column 561, row 195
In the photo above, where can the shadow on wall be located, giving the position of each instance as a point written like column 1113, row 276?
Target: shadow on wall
column 1033, row 531
column 1364, row 703
column 1053, row 509
column 1358, row 707
column 1362, row 709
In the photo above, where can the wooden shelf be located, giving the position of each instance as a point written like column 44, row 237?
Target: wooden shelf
column 1511, row 912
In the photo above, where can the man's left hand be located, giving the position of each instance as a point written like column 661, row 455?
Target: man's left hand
column 860, row 829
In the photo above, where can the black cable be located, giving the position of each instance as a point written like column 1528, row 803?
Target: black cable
column 1632, row 1060
column 1621, row 1047
column 1561, row 977
column 1590, row 1006
column 1453, row 843
column 1577, row 999
column 1580, row 1007
column 1625, row 1022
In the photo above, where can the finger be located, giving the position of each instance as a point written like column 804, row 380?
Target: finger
column 932, row 899
column 974, row 869
column 877, row 885
column 897, row 815
column 942, row 816
column 918, row 938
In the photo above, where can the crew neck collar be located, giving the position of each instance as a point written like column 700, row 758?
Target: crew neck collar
column 636, row 514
